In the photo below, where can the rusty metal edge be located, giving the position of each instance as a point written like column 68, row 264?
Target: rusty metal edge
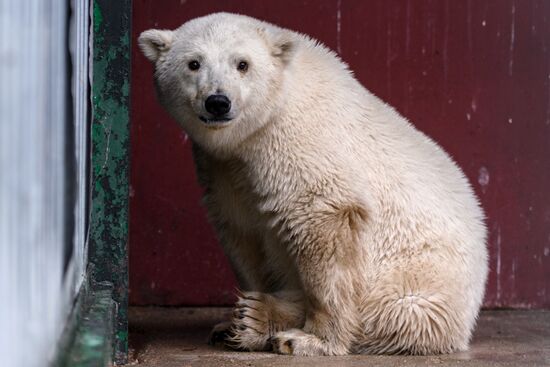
column 88, row 336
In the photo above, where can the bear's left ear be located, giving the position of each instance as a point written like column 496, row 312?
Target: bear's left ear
column 154, row 42
column 282, row 43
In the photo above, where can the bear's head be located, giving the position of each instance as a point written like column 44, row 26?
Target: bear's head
column 220, row 76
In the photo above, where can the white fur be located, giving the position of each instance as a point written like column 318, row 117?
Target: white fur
column 319, row 187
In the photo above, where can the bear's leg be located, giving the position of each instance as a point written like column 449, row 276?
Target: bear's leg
column 329, row 329
column 418, row 309
column 328, row 332
column 258, row 316
column 328, row 260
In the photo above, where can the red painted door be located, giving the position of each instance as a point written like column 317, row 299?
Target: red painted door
column 474, row 75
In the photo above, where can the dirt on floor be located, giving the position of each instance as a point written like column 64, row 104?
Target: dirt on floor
column 177, row 337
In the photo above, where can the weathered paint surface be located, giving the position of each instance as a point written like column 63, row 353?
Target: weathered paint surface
column 108, row 248
column 474, row 75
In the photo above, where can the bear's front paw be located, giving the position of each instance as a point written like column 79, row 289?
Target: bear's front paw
column 296, row 342
column 251, row 326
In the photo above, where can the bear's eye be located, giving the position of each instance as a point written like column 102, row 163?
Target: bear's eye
column 243, row 66
column 194, row 65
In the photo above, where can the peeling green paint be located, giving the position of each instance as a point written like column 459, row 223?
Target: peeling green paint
column 108, row 246
column 98, row 18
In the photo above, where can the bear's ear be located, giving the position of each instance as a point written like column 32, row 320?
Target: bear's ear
column 154, row 42
column 284, row 49
column 282, row 43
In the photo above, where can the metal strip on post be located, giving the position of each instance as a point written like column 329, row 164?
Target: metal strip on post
column 108, row 241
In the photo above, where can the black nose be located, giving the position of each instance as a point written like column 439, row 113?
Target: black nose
column 217, row 104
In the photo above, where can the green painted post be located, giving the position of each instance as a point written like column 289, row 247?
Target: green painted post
column 108, row 240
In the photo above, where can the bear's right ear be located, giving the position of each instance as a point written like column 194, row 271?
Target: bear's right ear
column 154, row 42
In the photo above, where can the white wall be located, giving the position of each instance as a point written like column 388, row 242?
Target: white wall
column 35, row 294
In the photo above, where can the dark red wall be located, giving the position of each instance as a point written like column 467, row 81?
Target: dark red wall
column 474, row 75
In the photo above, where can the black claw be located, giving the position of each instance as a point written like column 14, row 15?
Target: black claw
column 217, row 337
column 274, row 341
column 269, row 347
column 239, row 313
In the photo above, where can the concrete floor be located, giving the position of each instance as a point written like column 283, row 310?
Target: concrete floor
column 170, row 337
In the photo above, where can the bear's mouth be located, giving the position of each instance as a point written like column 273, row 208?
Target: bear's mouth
column 215, row 120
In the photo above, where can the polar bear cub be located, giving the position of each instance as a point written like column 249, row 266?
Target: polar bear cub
column 349, row 230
